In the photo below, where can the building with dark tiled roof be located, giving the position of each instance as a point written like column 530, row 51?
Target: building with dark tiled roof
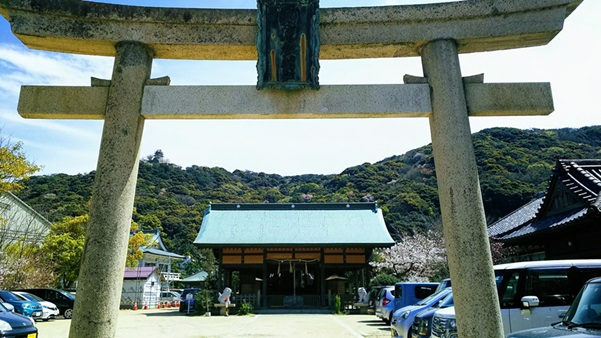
column 293, row 255
column 565, row 223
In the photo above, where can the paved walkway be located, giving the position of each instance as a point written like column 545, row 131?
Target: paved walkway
column 159, row 323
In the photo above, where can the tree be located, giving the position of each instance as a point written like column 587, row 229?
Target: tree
column 416, row 258
column 14, row 166
column 383, row 279
column 63, row 248
column 134, row 246
column 20, row 238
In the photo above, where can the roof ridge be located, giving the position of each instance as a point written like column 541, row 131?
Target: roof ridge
column 295, row 206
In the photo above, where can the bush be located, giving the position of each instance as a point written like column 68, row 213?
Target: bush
column 383, row 279
column 245, row 309
column 202, row 301
column 337, row 305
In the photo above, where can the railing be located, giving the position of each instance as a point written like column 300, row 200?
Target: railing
column 171, row 276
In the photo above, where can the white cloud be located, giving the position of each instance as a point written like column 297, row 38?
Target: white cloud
column 24, row 65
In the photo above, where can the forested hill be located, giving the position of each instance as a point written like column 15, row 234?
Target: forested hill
column 514, row 166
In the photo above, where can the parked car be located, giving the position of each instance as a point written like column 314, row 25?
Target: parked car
column 385, row 303
column 445, row 283
column 63, row 300
column 583, row 319
column 422, row 324
column 49, row 310
column 372, row 298
column 402, row 319
column 22, row 306
column 170, row 296
column 409, row 293
column 7, row 306
column 187, row 300
column 545, row 289
column 16, row 325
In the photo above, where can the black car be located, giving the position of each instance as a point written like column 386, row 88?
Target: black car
column 62, row 299
column 16, row 325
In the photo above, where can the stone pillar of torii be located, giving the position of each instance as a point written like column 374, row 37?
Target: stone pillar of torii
column 137, row 35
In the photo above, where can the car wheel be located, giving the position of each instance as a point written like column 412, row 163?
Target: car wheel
column 68, row 313
column 389, row 319
column 45, row 319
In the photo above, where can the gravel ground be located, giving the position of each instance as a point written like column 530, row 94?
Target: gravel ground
column 158, row 323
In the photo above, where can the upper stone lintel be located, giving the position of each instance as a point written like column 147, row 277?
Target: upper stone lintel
column 230, row 34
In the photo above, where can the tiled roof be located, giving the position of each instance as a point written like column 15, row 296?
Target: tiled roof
column 159, row 252
column 139, row 272
column 156, row 246
column 318, row 224
column 515, row 220
column 197, row 277
column 582, row 178
column 547, row 223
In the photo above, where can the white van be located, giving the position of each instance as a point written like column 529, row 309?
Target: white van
column 531, row 294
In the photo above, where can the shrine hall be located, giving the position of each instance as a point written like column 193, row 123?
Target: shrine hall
column 293, row 255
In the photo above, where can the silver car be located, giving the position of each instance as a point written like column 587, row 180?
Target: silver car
column 582, row 320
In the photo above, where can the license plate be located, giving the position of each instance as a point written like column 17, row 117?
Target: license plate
column 32, row 335
column 36, row 314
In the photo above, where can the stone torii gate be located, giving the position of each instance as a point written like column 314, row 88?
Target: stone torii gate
column 137, row 35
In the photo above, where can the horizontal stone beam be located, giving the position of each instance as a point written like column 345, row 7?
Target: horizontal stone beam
column 245, row 102
column 84, row 27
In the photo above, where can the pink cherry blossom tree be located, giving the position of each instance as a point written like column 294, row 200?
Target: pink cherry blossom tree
column 420, row 257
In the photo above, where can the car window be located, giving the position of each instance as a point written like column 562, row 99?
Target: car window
column 21, row 297
column 551, row 286
column 52, row 295
column 432, row 296
column 398, row 290
column 187, row 291
column 423, row 291
column 447, row 301
column 64, row 293
column 510, row 297
column 9, row 297
column 587, row 307
column 33, row 297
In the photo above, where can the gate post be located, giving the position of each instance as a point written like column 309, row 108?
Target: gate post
column 463, row 220
column 103, row 261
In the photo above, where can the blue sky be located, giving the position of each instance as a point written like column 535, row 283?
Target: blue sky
column 290, row 147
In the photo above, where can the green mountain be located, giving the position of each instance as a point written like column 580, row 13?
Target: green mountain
column 514, row 167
